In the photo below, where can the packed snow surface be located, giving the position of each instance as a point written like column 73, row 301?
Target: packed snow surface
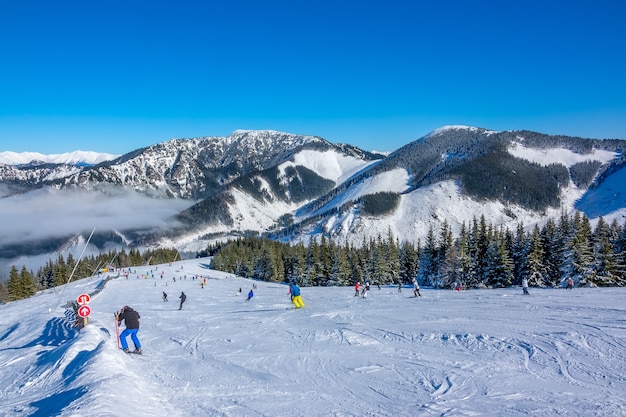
column 468, row 353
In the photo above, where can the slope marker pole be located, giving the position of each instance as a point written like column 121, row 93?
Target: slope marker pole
column 74, row 270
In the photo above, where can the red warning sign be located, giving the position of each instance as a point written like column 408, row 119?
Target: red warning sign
column 83, row 299
column 84, row 311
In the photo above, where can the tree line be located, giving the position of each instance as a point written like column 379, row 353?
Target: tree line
column 481, row 256
column 25, row 283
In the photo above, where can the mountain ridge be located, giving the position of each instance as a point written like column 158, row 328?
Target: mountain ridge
column 297, row 187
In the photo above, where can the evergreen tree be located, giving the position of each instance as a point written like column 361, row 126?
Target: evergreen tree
column 537, row 273
column 553, row 251
column 481, row 242
column 325, row 261
column 446, row 258
column 498, row 264
column 428, row 260
column 4, row 293
column 393, row 259
column 408, row 263
column 380, row 261
column 582, row 251
column 466, row 272
column 61, row 272
column 14, row 285
column 29, row 288
column 608, row 271
column 341, row 271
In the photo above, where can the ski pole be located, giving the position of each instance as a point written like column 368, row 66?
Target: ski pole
column 117, row 329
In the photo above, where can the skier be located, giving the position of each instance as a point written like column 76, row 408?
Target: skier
column 356, row 289
column 250, row 295
column 182, row 297
column 365, row 290
column 459, row 286
column 525, row 286
column 416, row 288
column 131, row 320
column 570, row 284
column 296, row 299
column 164, row 296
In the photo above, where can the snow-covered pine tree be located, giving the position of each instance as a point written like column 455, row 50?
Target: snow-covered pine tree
column 428, row 260
column 608, row 271
column 582, row 251
column 499, row 266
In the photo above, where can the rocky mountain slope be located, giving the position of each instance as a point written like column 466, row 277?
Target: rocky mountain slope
column 295, row 187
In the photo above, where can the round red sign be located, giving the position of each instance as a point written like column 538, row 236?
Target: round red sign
column 83, row 299
column 84, row 311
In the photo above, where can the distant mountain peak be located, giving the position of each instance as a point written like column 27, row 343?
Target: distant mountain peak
column 445, row 129
column 69, row 158
column 272, row 136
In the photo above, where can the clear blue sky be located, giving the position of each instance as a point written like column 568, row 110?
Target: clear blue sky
column 114, row 76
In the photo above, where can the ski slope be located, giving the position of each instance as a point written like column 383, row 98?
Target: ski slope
column 468, row 353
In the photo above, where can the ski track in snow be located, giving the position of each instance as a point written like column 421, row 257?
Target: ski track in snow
column 482, row 352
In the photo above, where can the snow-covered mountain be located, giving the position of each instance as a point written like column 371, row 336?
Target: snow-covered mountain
column 459, row 173
column 183, row 168
column 70, row 158
column 187, row 193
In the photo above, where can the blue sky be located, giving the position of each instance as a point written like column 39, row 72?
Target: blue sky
column 115, row 76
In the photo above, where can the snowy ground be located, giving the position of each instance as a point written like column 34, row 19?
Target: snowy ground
column 488, row 352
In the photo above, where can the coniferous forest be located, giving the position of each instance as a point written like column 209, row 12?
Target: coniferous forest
column 24, row 283
column 481, row 256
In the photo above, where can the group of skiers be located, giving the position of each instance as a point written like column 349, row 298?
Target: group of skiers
column 130, row 317
column 182, row 299
column 365, row 289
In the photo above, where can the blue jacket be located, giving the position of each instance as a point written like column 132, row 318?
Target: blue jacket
column 295, row 290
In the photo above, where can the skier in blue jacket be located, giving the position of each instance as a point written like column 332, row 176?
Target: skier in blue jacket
column 131, row 320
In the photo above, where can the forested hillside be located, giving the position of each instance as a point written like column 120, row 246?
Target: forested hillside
column 483, row 256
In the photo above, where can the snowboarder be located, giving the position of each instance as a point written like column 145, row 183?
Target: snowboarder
column 525, row 286
column 164, row 296
column 250, row 295
column 296, row 299
column 356, row 289
column 416, row 288
column 570, row 284
column 182, row 297
column 130, row 318
column 459, row 286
